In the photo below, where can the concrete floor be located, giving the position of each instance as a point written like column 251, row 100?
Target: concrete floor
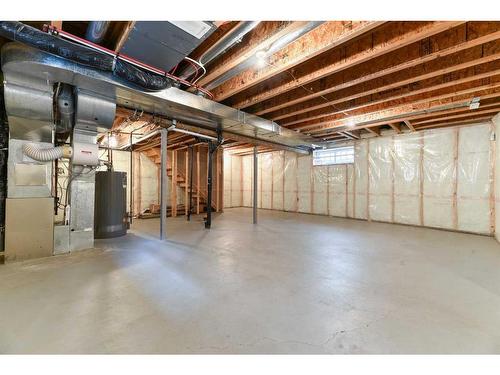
column 293, row 284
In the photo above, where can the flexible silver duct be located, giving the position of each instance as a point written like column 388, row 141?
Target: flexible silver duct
column 222, row 45
column 96, row 31
column 46, row 154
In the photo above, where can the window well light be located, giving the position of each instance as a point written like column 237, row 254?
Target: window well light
column 113, row 142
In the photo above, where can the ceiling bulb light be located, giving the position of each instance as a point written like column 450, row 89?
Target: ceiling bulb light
column 261, row 58
column 350, row 123
column 474, row 103
column 261, row 54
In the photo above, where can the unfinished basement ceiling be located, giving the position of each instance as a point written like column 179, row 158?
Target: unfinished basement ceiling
column 342, row 80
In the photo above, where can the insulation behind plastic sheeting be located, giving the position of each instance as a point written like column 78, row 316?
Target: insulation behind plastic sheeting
column 290, row 182
column 236, row 181
column 350, row 190
column 407, row 178
column 278, row 173
column 360, row 182
column 266, row 179
column 247, row 165
column 320, row 190
column 438, row 178
column 474, row 180
column 304, row 165
column 337, row 190
column 227, row 179
column 380, row 163
column 440, row 149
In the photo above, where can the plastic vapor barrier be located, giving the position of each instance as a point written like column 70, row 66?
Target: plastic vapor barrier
column 439, row 178
column 227, row 159
column 278, row 163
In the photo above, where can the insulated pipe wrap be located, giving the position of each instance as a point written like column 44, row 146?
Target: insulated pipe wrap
column 47, row 154
column 30, row 36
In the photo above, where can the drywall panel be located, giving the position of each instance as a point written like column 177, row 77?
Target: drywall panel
column 474, row 179
column 319, row 190
column 337, row 190
column 380, row 176
column 266, row 179
column 278, row 180
column 439, row 172
column 360, row 179
column 236, row 178
column 304, row 176
column 247, row 165
column 290, row 182
column 407, row 178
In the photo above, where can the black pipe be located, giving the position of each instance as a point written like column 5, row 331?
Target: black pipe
column 131, row 176
column 4, row 153
column 30, row 36
column 212, row 147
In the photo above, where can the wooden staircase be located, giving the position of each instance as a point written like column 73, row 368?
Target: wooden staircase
column 181, row 180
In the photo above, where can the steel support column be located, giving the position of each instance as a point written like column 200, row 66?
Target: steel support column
column 211, row 150
column 190, row 207
column 163, row 184
column 255, row 167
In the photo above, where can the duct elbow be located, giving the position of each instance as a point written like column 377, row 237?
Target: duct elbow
column 46, row 154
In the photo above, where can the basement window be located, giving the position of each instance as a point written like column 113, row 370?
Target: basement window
column 332, row 156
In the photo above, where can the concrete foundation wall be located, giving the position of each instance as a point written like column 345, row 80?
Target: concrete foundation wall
column 440, row 178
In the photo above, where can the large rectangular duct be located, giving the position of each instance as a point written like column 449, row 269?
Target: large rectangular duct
column 164, row 44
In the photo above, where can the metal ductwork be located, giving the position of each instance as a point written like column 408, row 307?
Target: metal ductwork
column 222, row 45
column 275, row 47
column 172, row 103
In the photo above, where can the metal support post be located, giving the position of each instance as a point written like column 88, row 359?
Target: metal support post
column 208, row 220
column 163, row 184
column 255, row 184
column 190, row 207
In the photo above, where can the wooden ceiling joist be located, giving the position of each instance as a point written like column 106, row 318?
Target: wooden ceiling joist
column 395, row 127
column 375, row 130
column 477, row 112
column 409, row 125
column 445, row 44
column 383, row 40
column 321, row 39
column 398, row 108
column 260, row 39
column 474, row 120
column 391, row 88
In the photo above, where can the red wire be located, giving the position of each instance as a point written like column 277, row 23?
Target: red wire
column 196, row 68
column 129, row 59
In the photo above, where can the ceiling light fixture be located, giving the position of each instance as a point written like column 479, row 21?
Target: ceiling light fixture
column 350, row 122
column 474, row 103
